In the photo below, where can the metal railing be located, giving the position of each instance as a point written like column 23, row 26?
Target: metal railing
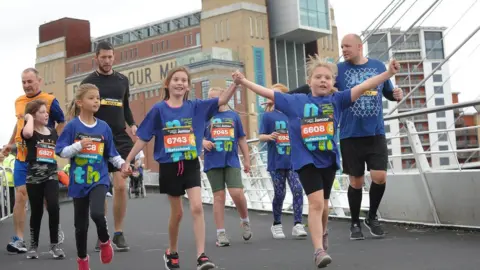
column 6, row 195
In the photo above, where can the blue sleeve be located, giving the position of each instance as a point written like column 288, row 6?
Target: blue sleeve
column 150, row 125
column 239, row 127
column 264, row 125
column 56, row 112
column 111, row 151
column 388, row 90
column 286, row 103
column 207, row 107
column 206, row 133
column 66, row 137
column 343, row 99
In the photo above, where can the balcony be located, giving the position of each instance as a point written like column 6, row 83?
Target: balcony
column 468, row 132
column 410, row 70
column 468, row 155
column 420, row 118
column 407, row 82
column 407, row 46
column 411, row 106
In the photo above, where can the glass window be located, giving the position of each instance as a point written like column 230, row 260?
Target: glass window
column 441, row 125
column 292, row 73
column 437, row 78
column 389, row 152
column 387, row 128
column 434, row 65
column 185, row 40
column 444, row 161
column 231, row 102
column 434, row 45
column 385, row 104
column 205, row 88
column 197, row 39
column 281, row 63
column 314, row 13
column 438, row 89
column 191, row 94
column 300, row 63
column 443, row 147
column 439, row 102
column 377, row 47
column 442, row 137
column 441, row 114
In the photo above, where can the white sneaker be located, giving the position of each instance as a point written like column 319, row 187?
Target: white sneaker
column 299, row 231
column 277, row 231
column 109, row 194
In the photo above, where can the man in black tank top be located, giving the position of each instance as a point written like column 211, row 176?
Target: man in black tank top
column 115, row 110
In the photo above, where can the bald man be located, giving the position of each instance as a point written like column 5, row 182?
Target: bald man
column 362, row 133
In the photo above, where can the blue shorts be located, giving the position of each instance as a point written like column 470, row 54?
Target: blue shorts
column 19, row 173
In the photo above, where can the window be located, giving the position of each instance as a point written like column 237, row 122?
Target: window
column 442, row 137
column 238, row 95
column 438, row 89
column 443, row 147
column 216, row 32
column 251, row 26
column 441, row 114
column 197, row 39
column 191, row 39
column 153, row 47
column 314, row 13
column 389, row 152
column 439, row 102
column 434, row 45
column 437, row 78
column 231, row 102
column 227, row 30
column 434, row 65
column 377, row 47
column 260, row 26
column 441, row 125
column 205, row 88
column 387, row 128
column 385, row 104
column 185, row 40
column 222, row 36
column 191, row 94
column 256, row 27
column 444, row 161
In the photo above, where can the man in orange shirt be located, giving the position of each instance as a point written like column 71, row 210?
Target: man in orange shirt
column 31, row 82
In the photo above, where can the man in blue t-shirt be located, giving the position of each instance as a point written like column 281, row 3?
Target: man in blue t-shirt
column 362, row 133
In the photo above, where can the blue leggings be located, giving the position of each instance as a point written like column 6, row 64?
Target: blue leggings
column 279, row 178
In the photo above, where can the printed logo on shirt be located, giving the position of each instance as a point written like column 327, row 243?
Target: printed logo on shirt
column 111, row 102
column 46, row 152
column 370, row 103
column 93, row 152
column 317, row 130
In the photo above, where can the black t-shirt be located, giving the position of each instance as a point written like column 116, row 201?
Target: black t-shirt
column 114, row 104
column 42, row 165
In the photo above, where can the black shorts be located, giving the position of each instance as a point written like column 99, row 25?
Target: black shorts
column 176, row 177
column 123, row 144
column 356, row 152
column 314, row 179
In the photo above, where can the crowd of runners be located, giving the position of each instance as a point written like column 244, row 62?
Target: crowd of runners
column 299, row 127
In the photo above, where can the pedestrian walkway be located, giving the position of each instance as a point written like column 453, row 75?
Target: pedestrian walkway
column 147, row 233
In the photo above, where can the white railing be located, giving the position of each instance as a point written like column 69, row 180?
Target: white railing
column 5, row 195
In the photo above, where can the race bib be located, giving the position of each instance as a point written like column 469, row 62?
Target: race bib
column 282, row 139
column 223, row 131
column 46, row 153
column 111, row 102
column 179, row 139
column 93, row 152
column 317, row 129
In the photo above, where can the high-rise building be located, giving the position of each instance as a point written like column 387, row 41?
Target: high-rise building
column 466, row 139
column 419, row 52
column 267, row 40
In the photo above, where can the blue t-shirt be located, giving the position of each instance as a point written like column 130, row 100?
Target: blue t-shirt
column 89, row 168
column 178, row 131
column 312, row 123
column 365, row 117
column 279, row 150
column 224, row 129
column 55, row 114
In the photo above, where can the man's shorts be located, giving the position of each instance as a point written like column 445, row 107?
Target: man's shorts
column 123, row 144
column 356, row 152
column 19, row 173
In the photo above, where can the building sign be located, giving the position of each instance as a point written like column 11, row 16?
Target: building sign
column 138, row 77
column 259, row 73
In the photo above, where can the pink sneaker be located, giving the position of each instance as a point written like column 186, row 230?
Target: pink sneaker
column 83, row 263
column 106, row 252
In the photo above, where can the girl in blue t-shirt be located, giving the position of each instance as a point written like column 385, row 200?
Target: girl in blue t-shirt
column 88, row 143
column 313, row 120
column 223, row 136
column 178, row 126
column 274, row 131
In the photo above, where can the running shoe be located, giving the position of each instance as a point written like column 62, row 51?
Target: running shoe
column 277, row 231
column 56, row 251
column 356, row 231
column 222, row 240
column 83, row 264
column 298, row 231
column 106, row 252
column 171, row 260
column 17, row 246
column 204, row 263
column 247, row 231
column 374, row 226
column 32, row 253
column 120, row 242
column 321, row 258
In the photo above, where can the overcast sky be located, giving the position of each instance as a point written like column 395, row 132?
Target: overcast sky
column 19, row 22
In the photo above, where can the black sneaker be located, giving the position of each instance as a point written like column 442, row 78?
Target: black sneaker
column 374, row 226
column 356, row 232
column 119, row 242
column 171, row 260
column 204, row 263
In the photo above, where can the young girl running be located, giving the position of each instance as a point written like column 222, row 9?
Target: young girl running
column 313, row 120
column 88, row 142
column 178, row 125
column 274, row 131
column 223, row 136
column 42, row 179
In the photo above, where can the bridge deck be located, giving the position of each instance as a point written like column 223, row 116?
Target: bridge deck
column 147, row 233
